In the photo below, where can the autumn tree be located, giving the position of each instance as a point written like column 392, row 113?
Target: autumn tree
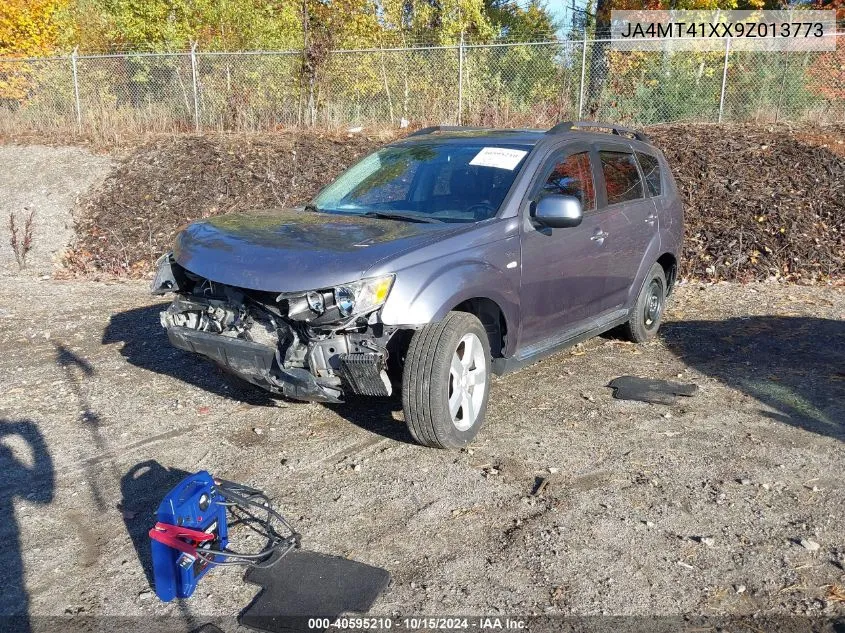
column 164, row 25
column 30, row 28
column 520, row 23
column 435, row 21
column 599, row 61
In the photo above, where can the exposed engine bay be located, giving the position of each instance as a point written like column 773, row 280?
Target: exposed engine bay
column 310, row 345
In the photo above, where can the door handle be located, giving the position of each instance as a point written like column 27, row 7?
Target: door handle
column 651, row 218
column 599, row 237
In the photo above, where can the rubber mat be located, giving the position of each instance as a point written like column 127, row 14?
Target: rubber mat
column 306, row 585
column 208, row 628
column 648, row 390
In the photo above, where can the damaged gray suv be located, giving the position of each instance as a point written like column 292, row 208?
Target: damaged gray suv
column 433, row 263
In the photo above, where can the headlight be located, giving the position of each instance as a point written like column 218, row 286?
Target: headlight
column 316, row 302
column 363, row 296
column 344, row 296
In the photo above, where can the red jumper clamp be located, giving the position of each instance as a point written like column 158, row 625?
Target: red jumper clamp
column 180, row 538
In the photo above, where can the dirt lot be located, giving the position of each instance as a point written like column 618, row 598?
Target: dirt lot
column 754, row 462
column 696, row 508
column 46, row 181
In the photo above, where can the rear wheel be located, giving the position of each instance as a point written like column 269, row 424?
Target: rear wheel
column 647, row 313
column 446, row 381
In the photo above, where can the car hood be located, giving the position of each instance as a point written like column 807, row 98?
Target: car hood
column 288, row 250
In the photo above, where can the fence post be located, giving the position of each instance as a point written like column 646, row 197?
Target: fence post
column 782, row 85
column 196, row 90
column 76, row 103
column 724, row 78
column 583, row 68
column 460, row 77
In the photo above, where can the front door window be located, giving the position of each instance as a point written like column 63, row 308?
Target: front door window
column 573, row 177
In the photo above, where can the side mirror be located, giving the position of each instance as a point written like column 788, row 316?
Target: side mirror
column 558, row 212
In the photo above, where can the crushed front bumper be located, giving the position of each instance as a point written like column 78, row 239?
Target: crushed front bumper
column 254, row 363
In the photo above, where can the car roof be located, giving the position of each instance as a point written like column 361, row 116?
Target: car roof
column 581, row 130
column 457, row 136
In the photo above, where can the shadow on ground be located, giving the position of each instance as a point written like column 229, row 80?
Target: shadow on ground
column 28, row 475
column 78, row 371
column 145, row 345
column 142, row 489
column 794, row 365
column 375, row 415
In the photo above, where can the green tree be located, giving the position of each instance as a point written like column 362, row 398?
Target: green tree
column 161, row 25
column 437, row 22
column 520, row 24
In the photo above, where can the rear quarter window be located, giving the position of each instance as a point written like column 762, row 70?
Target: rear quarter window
column 651, row 171
column 621, row 177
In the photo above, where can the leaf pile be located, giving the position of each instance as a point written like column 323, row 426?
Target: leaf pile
column 125, row 225
column 760, row 202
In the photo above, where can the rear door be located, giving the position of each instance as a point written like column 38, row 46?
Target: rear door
column 629, row 217
column 661, row 190
column 562, row 268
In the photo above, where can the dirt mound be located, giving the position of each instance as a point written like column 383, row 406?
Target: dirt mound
column 164, row 184
column 760, row 202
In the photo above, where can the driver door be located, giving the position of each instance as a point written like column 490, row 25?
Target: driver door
column 562, row 268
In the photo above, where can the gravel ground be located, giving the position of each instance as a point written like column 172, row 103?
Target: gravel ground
column 695, row 508
column 48, row 181
column 727, row 503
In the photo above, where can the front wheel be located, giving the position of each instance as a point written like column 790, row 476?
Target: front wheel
column 647, row 313
column 446, row 381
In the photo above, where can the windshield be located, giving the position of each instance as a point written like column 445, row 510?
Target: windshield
column 444, row 182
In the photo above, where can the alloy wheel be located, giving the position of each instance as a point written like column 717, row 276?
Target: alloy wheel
column 467, row 381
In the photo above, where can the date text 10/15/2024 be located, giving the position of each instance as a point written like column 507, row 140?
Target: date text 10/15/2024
column 481, row 623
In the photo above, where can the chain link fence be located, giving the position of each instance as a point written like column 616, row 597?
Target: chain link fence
column 533, row 84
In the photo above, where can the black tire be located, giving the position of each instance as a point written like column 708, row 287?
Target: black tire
column 428, row 381
column 647, row 313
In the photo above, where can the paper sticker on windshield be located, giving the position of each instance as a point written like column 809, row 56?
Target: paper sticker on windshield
column 499, row 157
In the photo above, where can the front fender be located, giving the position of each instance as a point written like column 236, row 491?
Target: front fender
column 413, row 303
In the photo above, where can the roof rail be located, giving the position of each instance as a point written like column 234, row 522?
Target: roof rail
column 445, row 128
column 566, row 126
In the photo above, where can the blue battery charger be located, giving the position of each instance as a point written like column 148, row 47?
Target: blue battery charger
column 190, row 518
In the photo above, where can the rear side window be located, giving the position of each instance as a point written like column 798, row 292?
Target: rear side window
column 573, row 177
column 621, row 177
column 651, row 171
